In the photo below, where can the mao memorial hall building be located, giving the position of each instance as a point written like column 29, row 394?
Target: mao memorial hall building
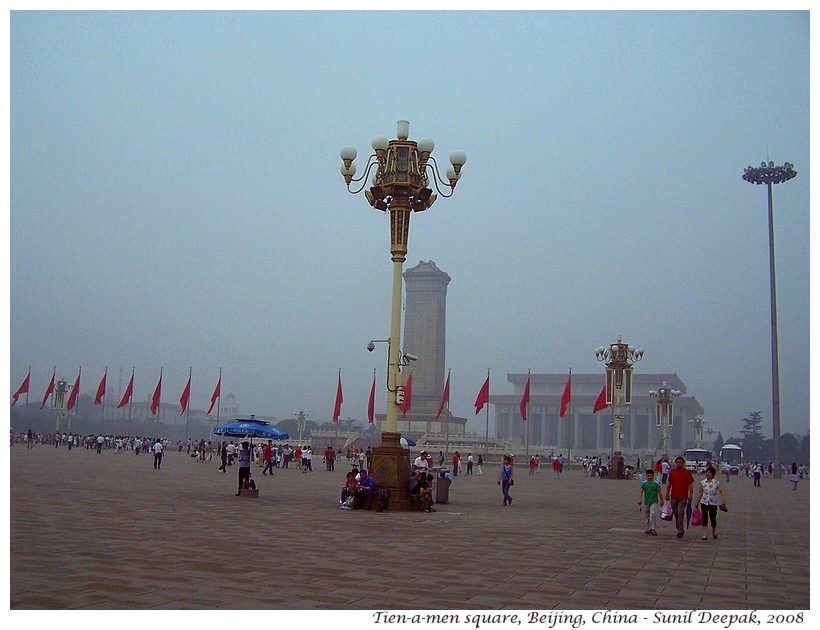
column 580, row 429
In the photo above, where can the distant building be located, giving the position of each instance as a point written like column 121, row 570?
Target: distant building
column 582, row 431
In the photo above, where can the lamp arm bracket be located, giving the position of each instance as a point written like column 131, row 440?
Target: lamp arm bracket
column 371, row 162
column 437, row 178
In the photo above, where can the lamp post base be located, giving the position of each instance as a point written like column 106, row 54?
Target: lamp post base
column 391, row 469
column 616, row 466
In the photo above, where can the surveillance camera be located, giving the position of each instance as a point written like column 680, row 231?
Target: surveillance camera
column 371, row 347
column 410, row 357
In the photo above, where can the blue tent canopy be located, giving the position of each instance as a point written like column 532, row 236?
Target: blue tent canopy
column 251, row 428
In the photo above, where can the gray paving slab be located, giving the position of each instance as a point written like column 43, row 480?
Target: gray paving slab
column 107, row 531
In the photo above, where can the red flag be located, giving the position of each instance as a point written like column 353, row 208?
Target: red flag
column 566, row 397
column 600, row 403
column 525, row 399
column 23, row 389
column 129, row 391
column 337, row 409
column 217, row 393
column 483, row 395
column 445, row 397
column 186, row 394
column 157, row 394
column 75, row 391
column 101, row 390
column 371, row 403
column 49, row 390
column 408, row 394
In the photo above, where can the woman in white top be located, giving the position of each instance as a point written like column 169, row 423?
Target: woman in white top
column 709, row 501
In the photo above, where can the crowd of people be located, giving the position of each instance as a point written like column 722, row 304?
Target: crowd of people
column 666, row 491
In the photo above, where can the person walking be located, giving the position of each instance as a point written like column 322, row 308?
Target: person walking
column 157, row 448
column 244, row 465
column 267, row 457
column 505, row 479
column 223, row 454
column 795, row 475
column 757, row 473
column 469, row 463
column 679, row 492
column 708, row 492
column 664, row 471
column 456, row 462
column 480, row 463
column 651, row 497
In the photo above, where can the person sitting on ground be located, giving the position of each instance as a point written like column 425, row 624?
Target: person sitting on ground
column 367, row 487
column 348, row 490
column 421, row 489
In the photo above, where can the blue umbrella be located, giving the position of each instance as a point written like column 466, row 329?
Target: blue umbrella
column 251, row 428
column 688, row 513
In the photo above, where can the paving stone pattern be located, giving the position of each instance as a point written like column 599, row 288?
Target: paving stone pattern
column 108, row 531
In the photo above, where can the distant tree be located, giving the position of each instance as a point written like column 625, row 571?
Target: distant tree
column 717, row 444
column 753, row 442
column 790, row 450
column 752, row 424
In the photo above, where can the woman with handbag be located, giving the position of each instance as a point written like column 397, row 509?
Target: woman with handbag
column 708, row 500
column 505, row 480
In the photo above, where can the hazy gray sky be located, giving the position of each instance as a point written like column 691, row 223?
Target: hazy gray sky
column 176, row 199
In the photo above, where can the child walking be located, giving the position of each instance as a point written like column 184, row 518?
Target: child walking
column 650, row 499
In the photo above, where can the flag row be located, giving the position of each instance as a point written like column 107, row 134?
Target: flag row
column 404, row 401
column 127, row 397
column 483, row 397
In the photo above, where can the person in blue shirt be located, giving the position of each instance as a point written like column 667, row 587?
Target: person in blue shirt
column 367, row 487
column 244, row 466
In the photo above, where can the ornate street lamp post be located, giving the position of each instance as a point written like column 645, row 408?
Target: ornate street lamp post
column 618, row 359
column 770, row 174
column 664, row 411
column 301, row 423
column 399, row 185
column 697, row 430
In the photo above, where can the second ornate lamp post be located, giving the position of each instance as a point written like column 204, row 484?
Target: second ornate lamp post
column 618, row 358
column 399, row 185
column 664, row 411
column 770, row 174
column 697, row 430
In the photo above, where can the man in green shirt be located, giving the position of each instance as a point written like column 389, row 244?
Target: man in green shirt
column 651, row 498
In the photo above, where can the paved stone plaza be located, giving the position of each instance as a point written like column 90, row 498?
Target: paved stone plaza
column 108, row 531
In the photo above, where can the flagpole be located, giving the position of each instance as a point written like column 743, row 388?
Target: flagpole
column 102, row 411
column 28, row 378
column 447, row 420
column 188, row 407
column 571, row 424
column 130, row 401
column 159, row 402
column 527, row 422
column 336, row 439
column 219, row 398
column 487, row 423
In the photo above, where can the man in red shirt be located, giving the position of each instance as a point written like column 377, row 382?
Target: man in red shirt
column 267, row 456
column 679, row 492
